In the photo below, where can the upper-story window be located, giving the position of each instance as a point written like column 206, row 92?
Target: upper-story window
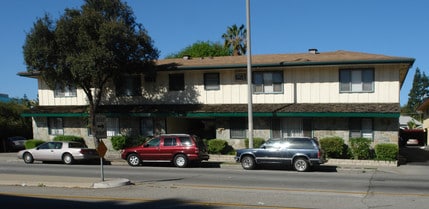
column 268, row 82
column 176, row 82
column 211, row 81
column 65, row 90
column 357, row 80
column 129, row 85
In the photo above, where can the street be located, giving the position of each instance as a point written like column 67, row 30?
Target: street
column 211, row 186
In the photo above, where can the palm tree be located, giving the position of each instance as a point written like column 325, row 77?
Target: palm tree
column 235, row 39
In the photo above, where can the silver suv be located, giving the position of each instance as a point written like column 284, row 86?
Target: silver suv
column 300, row 152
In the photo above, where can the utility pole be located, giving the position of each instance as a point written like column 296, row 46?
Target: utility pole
column 249, row 77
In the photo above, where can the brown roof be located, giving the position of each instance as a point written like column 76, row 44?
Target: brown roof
column 337, row 57
column 229, row 108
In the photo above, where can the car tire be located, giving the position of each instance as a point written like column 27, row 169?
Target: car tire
column 248, row 162
column 68, row 159
column 301, row 164
column 180, row 161
column 28, row 158
column 133, row 160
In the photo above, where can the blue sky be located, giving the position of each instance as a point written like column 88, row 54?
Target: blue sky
column 388, row 27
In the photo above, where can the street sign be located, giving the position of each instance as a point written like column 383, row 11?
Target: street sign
column 100, row 126
column 101, row 149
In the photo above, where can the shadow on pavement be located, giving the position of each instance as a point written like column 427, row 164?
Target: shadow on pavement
column 10, row 201
column 414, row 155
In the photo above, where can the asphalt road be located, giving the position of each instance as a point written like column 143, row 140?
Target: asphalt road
column 214, row 186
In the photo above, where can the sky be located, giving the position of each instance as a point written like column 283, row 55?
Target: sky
column 387, row 27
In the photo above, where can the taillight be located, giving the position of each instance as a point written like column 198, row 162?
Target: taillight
column 197, row 150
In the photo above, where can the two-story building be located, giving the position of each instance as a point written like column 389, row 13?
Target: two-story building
column 340, row 93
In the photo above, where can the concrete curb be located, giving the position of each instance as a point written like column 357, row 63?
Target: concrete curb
column 111, row 183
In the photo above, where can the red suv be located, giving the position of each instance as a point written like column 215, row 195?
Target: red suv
column 181, row 149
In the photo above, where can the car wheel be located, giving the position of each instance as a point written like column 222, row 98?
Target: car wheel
column 28, row 158
column 248, row 162
column 180, row 161
column 133, row 160
column 68, row 159
column 301, row 164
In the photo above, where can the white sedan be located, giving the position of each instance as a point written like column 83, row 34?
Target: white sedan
column 67, row 152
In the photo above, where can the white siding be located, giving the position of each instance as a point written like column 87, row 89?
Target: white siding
column 301, row 85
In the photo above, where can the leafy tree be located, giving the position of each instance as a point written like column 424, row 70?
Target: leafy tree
column 418, row 93
column 235, row 39
column 11, row 122
column 202, row 49
column 89, row 47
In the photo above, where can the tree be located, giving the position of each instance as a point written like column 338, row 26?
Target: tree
column 11, row 122
column 89, row 47
column 235, row 39
column 418, row 93
column 202, row 49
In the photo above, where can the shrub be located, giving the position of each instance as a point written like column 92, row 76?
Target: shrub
column 360, row 148
column 33, row 143
column 68, row 138
column 257, row 142
column 118, row 142
column 386, row 151
column 334, row 147
column 122, row 142
column 219, row 146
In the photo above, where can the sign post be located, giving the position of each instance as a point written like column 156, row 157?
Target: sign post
column 101, row 132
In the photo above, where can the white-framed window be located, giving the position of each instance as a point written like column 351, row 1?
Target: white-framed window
column 112, row 126
column 211, row 81
column 357, row 80
column 268, row 82
column 55, row 126
column 65, row 90
column 361, row 127
column 129, row 85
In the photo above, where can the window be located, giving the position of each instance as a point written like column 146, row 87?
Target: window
column 112, row 126
column 153, row 142
column 211, row 81
column 146, row 127
column 55, row 126
column 240, row 76
column 268, row 82
column 129, row 85
column 176, row 82
column 65, row 91
column 169, row 141
column 185, row 141
column 361, row 127
column 356, row 80
column 238, row 128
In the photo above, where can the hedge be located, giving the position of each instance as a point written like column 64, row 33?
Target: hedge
column 257, row 142
column 219, row 146
column 334, row 147
column 31, row 143
column 68, row 138
column 360, row 148
column 386, row 151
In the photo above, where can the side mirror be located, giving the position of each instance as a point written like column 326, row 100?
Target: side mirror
column 145, row 145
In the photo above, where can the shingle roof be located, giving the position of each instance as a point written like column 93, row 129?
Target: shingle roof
column 229, row 108
column 285, row 59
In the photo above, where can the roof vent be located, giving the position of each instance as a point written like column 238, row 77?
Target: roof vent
column 313, row 51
